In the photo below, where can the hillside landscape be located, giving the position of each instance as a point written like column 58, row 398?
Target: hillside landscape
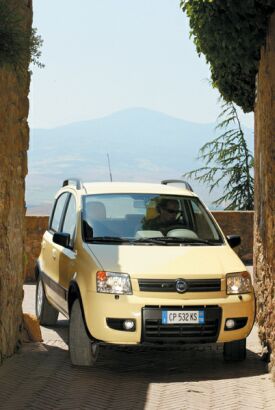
column 143, row 145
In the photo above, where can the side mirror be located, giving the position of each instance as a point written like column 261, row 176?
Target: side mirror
column 233, row 240
column 62, row 239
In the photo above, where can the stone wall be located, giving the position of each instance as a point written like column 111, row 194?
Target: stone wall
column 240, row 223
column 265, row 193
column 35, row 228
column 14, row 141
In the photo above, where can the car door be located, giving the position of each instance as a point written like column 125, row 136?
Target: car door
column 51, row 253
column 67, row 257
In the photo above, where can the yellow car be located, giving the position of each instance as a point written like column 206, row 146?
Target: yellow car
column 136, row 263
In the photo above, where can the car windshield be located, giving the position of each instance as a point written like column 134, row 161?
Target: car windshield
column 151, row 218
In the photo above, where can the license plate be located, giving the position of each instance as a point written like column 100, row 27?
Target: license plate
column 182, row 317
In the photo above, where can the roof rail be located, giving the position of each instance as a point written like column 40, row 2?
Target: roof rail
column 177, row 181
column 77, row 182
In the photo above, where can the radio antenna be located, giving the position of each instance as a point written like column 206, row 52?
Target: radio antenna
column 110, row 172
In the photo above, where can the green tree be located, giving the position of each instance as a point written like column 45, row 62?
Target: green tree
column 228, row 159
column 36, row 43
column 230, row 33
column 17, row 44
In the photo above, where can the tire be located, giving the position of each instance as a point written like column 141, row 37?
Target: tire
column 234, row 351
column 46, row 313
column 83, row 351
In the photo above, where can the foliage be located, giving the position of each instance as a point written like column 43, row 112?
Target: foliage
column 230, row 33
column 36, row 42
column 228, row 158
column 17, row 45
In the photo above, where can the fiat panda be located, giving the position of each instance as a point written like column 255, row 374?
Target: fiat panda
column 137, row 263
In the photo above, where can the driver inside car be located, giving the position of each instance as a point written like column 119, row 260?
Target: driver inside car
column 167, row 218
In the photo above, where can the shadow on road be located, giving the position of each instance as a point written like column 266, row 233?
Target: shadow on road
column 170, row 364
column 120, row 379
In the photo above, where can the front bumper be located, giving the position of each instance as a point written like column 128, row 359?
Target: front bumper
column 99, row 307
column 154, row 331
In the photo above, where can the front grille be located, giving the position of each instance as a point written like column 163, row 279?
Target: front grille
column 156, row 332
column 168, row 285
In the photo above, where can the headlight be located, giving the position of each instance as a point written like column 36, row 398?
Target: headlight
column 237, row 283
column 112, row 282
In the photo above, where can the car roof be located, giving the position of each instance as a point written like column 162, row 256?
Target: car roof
column 129, row 187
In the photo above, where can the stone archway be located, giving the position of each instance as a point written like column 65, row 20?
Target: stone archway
column 14, row 138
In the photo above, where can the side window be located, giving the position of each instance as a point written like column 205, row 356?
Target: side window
column 70, row 220
column 205, row 227
column 58, row 211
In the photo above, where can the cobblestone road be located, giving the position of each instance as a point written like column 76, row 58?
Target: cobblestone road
column 41, row 377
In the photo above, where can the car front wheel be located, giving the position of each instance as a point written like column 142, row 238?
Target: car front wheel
column 83, row 351
column 46, row 313
column 234, row 351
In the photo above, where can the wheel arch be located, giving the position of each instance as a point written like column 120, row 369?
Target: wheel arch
column 37, row 270
column 73, row 294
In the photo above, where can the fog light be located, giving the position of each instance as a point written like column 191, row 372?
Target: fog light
column 230, row 324
column 128, row 324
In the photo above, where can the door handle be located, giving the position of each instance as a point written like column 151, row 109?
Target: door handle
column 54, row 253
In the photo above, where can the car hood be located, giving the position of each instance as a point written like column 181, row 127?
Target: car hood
column 167, row 261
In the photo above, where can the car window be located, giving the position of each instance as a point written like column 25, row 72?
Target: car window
column 69, row 224
column 116, row 206
column 135, row 215
column 205, row 228
column 58, row 212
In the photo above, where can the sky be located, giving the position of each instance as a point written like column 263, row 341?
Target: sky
column 103, row 56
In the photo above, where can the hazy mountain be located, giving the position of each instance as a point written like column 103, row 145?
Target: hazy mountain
column 143, row 145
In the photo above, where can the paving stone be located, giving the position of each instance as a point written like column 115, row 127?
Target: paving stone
column 41, row 377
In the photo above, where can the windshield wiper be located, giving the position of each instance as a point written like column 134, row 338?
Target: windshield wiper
column 172, row 239
column 117, row 239
column 113, row 239
column 156, row 241
column 200, row 241
column 162, row 240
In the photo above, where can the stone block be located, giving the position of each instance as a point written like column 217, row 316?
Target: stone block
column 32, row 328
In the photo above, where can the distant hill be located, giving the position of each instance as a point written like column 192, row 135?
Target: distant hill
column 143, row 145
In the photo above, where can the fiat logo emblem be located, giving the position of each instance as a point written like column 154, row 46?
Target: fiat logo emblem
column 181, row 286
